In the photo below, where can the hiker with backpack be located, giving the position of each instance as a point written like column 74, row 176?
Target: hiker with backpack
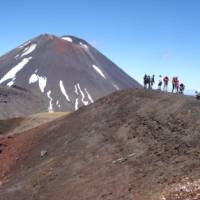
column 181, row 88
column 166, row 81
column 147, row 81
column 160, row 82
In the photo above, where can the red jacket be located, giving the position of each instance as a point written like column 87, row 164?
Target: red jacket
column 175, row 81
column 166, row 79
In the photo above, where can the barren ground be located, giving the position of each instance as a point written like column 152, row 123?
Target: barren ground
column 132, row 145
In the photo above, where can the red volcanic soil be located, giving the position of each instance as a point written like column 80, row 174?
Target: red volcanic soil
column 13, row 146
column 60, row 45
column 11, row 152
column 134, row 144
column 63, row 47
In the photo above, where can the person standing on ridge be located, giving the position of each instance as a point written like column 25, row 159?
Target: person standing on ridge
column 152, row 81
column 149, row 82
column 197, row 95
column 145, row 81
column 166, row 81
column 160, row 82
column 177, row 85
column 174, row 81
column 181, row 88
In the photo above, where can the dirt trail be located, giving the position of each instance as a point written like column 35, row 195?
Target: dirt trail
column 134, row 144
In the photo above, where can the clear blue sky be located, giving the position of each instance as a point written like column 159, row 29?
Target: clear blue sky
column 141, row 36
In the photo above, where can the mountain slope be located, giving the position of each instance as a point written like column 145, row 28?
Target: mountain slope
column 134, row 144
column 17, row 102
column 14, row 126
column 68, row 72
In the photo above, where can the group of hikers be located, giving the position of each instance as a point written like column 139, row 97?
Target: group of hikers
column 177, row 87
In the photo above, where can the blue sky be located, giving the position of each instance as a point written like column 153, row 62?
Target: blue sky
column 141, row 36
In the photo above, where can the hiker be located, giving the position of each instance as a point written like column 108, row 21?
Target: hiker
column 197, row 95
column 181, row 88
column 145, row 81
column 175, row 84
column 166, row 81
column 160, row 82
column 152, row 81
column 149, row 82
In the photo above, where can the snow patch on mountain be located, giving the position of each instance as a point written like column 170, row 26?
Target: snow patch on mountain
column 16, row 56
column 89, row 96
column 33, row 78
column 76, row 104
column 58, row 103
column 62, row 88
column 98, row 70
column 23, row 45
column 29, row 50
column 115, row 86
column 76, row 89
column 10, row 83
column 82, row 95
column 12, row 73
column 42, row 81
column 50, row 108
column 67, row 39
column 84, row 45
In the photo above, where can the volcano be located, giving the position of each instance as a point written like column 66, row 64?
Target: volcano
column 65, row 72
